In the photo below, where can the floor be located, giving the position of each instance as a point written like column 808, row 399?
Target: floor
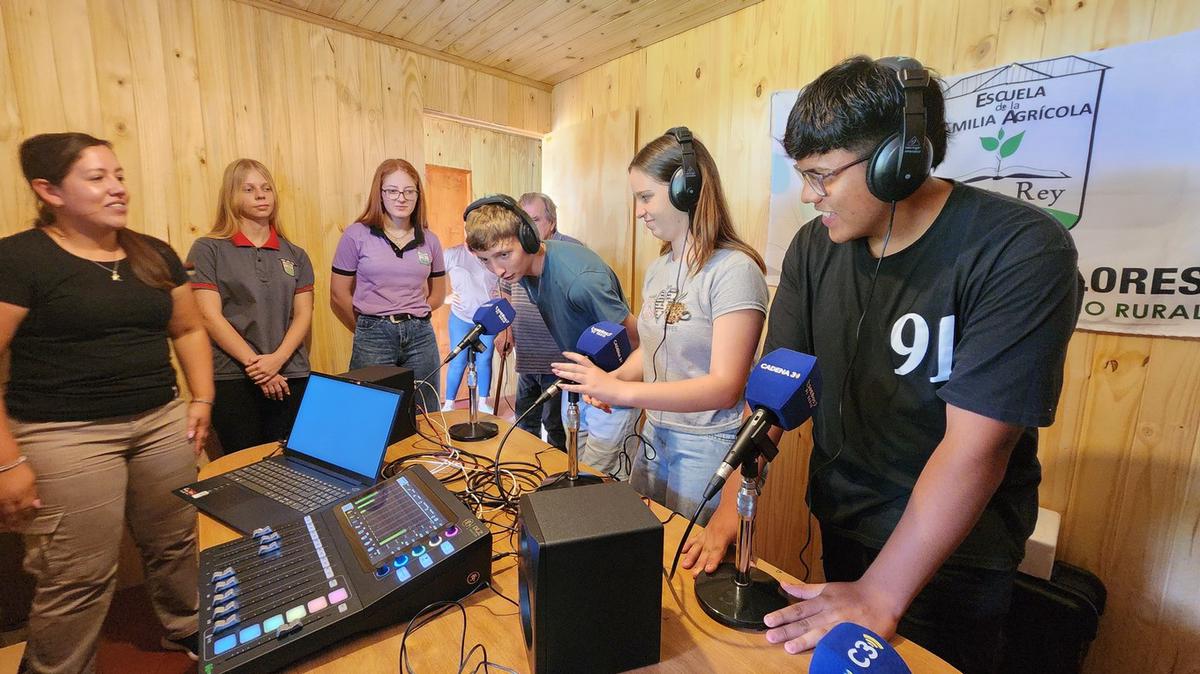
column 128, row 642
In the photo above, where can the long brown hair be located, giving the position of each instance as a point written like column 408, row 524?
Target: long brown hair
column 228, row 222
column 374, row 215
column 712, row 226
column 50, row 156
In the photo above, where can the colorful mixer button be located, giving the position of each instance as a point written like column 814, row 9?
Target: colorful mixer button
column 224, row 643
column 273, row 623
column 250, row 633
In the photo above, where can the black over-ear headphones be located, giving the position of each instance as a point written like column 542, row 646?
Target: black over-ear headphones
column 527, row 233
column 902, row 161
column 684, row 189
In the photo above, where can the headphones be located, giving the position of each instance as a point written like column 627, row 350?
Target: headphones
column 902, row 161
column 684, row 189
column 527, row 234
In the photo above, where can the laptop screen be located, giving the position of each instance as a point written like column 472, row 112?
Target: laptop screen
column 344, row 424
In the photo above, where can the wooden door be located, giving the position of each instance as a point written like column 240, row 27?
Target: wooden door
column 448, row 192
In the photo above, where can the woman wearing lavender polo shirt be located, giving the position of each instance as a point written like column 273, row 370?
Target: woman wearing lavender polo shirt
column 388, row 276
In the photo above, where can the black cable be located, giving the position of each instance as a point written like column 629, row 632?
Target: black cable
column 667, row 308
column 842, row 394
column 691, row 523
column 625, row 461
column 431, row 612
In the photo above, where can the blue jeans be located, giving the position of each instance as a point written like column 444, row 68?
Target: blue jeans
column 529, row 387
column 602, row 435
column 483, row 361
column 681, row 467
column 411, row 344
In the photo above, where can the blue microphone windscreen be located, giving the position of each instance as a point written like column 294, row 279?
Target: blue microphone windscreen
column 788, row 383
column 495, row 316
column 853, row 649
column 606, row 344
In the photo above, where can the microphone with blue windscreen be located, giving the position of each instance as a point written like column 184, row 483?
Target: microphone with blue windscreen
column 854, row 649
column 491, row 318
column 606, row 344
column 783, row 390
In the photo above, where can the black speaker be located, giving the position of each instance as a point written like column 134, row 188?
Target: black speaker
column 590, row 579
column 396, row 378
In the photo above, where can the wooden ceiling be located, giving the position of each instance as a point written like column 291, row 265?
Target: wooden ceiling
column 541, row 40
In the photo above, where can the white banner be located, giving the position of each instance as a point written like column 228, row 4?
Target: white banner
column 1107, row 142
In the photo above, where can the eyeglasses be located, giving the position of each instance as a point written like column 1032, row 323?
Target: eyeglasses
column 817, row 180
column 410, row 193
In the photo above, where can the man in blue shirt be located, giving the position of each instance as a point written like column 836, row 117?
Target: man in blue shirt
column 572, row 288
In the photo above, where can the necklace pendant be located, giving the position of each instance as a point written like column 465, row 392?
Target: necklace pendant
column 115, row 276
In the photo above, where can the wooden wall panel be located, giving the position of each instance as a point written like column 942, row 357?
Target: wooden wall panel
column 184, row 87
column 498, row 162
column 1122, row 461
column 593, row 197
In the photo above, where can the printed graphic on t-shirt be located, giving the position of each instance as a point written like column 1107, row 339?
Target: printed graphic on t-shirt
column 910, row 341
column 424, row 257
column 289, row 267
column 669, row 301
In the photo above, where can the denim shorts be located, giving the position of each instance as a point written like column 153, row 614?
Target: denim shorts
column 677, row 466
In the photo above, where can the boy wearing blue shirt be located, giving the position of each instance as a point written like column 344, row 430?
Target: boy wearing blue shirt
column 573, row 288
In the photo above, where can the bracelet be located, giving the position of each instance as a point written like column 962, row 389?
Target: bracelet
column 202, row 401
column 9, row 466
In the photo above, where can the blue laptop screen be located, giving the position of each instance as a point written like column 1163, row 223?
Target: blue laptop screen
column 344, row 424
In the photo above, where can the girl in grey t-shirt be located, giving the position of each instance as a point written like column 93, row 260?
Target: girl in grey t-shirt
column 704, row 303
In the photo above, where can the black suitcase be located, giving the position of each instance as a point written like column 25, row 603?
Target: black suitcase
column 1052, row 623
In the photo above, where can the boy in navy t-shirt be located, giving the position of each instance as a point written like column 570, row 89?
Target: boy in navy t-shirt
column 573, row 288
column 940, row 320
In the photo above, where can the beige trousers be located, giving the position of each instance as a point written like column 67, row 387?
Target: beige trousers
column 93, row 478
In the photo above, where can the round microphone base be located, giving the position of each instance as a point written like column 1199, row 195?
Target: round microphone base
column 738, row 606
column 562, row 481
column 468, row 432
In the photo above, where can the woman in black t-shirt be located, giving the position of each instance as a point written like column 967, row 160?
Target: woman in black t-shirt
column 93, row 435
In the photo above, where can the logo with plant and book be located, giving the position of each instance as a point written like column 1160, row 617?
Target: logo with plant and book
column 1026, row 130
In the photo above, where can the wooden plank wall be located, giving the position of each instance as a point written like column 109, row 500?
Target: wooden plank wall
column 499, row 163
column 182, row 87
column 1122, row 463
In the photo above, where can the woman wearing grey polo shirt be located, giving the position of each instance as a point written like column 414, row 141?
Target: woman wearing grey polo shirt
column 255, row 289
column 705, row 300
column 388, row 276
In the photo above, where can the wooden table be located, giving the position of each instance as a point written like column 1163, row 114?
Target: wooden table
column 691, row 641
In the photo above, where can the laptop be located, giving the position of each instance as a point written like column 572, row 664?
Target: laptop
column 335, row 449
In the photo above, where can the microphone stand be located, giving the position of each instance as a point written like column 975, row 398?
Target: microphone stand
column 473, row 430
column 571, row 478
column 736, row 594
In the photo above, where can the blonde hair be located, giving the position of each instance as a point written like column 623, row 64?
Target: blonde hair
column 490, row 225
column 228, row 221
column 712, row 226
